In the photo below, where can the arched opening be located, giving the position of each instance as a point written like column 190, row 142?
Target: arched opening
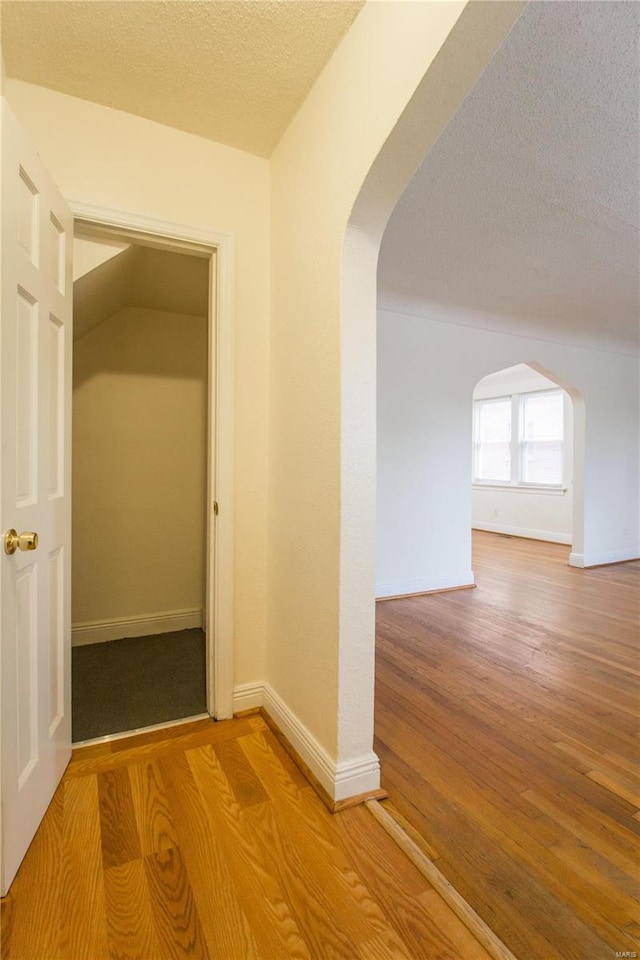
column 471, row 43
column 527, row 457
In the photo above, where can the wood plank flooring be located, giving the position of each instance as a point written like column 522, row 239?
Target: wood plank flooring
column 506, row 726
column 205, row 841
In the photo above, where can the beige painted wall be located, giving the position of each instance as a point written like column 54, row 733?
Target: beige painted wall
column 317, row 171
column 104, row 156
column 139, row 466
column 322, row 400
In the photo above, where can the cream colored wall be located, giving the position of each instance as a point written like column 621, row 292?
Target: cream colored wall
column 322, row 401
column 139, row 466
column 103, row 156
column 318, row 354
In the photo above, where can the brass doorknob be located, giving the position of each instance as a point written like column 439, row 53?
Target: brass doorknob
column 23, row 541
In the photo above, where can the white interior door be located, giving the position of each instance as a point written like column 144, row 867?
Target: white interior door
column 35, row 495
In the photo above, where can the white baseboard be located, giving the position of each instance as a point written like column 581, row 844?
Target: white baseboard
column 340, row 780
column 399, row 588
column 248, row 696
column 601, row 559
column 547, row 535
column 100, row 631
column 355, row 777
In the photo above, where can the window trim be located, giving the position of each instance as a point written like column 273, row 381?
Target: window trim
column 550, row 488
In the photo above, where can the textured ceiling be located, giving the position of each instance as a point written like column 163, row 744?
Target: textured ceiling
column 127, row 275
column 524, row 216
column 234, row 71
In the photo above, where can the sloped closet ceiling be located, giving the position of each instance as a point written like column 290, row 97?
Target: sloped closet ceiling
column 139, row 276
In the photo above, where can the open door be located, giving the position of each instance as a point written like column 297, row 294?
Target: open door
column 35, row 494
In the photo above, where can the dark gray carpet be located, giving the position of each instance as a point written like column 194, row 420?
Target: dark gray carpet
column 126, row 684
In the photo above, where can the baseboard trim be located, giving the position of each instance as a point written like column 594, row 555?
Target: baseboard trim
column 426, row 593
column 338, row 785
column 102, row 631
column 528, row 534
column 584, row 560
column 338, row 780
column 247, row 697
column 393, row 589
column 332, row 805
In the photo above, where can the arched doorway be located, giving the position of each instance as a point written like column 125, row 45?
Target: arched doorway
column 528, row 460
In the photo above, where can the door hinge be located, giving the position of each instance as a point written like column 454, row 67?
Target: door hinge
column 215, row 508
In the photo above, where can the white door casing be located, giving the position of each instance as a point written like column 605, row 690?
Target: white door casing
column 35, row 491
column 219, row 247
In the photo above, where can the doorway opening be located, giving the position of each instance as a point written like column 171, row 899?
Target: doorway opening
column 523, row 456
column 144, row 596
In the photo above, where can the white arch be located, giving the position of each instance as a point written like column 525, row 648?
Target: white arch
column 473, row 41
column 384, row 97
column 579, row 432
column 578, row 457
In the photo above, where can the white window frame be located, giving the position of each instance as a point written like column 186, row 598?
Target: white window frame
column 517, row 445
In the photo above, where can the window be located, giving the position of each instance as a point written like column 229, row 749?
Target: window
column 518, row 440
column 541, row 429
column 493, row 440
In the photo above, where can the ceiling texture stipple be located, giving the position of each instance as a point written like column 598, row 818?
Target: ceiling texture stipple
column 524, row 216
column 234, row 72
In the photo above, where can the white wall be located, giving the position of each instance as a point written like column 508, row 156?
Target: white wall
column 522, row 512
column 106, row 157
column 139, row 475
column 426, row 375
column 424, row 466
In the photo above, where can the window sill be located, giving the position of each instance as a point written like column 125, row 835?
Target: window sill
column 520, row 488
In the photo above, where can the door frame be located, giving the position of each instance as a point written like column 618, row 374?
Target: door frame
column 219, row 248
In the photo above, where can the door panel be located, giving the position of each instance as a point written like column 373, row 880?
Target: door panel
column 35, row 395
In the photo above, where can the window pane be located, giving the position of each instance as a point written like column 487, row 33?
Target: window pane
column 542, row 416
column 542, row 435
column 493, row 440
column 542, row 461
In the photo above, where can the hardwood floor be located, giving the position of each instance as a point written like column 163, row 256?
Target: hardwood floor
column 506, row 726
column 207, row 842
